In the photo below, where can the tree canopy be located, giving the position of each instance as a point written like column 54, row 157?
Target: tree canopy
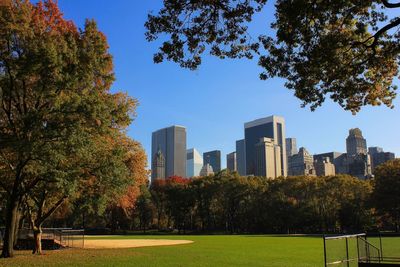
column 346, row 50
column 61, row 129
column 387, row 192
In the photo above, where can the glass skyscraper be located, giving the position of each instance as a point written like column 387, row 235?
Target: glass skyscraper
column 271, row 127
column 214, row 159
column 169, row 144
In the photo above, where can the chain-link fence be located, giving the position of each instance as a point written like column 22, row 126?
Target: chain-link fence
column 368, row 252
column 71, row 238
column 61, row 237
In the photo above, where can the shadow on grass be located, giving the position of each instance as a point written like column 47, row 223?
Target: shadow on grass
column 287, row 235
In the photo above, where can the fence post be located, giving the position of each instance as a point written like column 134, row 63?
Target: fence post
column 347, row 252
column 380, row 244
column 323, row 237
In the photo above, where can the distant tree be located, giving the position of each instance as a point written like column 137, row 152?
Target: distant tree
column 180, row 201
column 144, row 208
column 204, row 191
column 386, row 193
column 55, row 104
column 159, row 198
column 346, row 50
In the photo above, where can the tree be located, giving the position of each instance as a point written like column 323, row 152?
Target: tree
column 159, row 198
column 144, row 208
column 54, row 103
column 136, row 162
column 386, row 193
column 347, row 50
column 180, row 201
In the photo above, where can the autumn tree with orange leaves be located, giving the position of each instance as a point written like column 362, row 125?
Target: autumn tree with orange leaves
column 61, row 129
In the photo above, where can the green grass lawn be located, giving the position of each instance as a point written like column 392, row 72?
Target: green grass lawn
column 218, row 250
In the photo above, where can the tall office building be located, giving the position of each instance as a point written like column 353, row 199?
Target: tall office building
column 241, row 157
column 301, row 163
column 268, row 158
column 356, row 143
column 291, row 147
column 358, row 162
column 214, row 159
column 231, row 162
column 168, row 144
column 271, row 127
column 194, row 163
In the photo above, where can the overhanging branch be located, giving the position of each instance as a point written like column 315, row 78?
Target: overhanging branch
column 384, row 29
column 52, row 210
column 390, row 5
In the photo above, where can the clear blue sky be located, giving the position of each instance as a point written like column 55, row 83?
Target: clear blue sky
column 215, row 101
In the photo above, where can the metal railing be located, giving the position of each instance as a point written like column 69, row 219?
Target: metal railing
column 353, row 250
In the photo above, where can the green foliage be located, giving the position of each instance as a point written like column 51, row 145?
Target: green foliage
column 231, row 203
column 345, row 50
column 60, row 126
column 387, row 192
column 144, row 208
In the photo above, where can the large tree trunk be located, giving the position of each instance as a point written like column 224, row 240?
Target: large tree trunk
column 37, row 234
column 11, row 224
column 17, row 226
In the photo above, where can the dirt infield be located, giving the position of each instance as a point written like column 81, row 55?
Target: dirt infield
column 132, row 243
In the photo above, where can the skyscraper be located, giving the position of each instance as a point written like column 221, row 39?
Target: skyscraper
column 231, row 162
column 356, row 143
column 214, row 159
column 194, row 163
column 272, row 127
column 291, row 147
column 358, row 162
column 169, row 144
column 267, row 158
column 241, row 157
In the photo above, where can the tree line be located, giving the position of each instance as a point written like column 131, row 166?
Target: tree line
column 226, row 202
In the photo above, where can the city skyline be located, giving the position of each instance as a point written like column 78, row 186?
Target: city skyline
column 223, row 156
column 214, row 101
